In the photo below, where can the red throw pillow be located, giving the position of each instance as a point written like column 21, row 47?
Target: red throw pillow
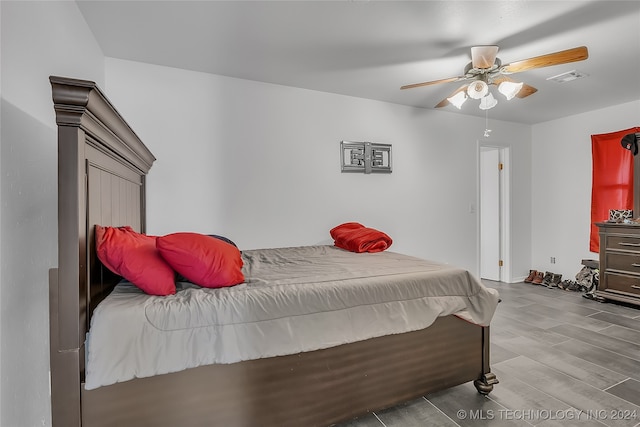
column 355, row 237
column 134, row 256
column 201, row 259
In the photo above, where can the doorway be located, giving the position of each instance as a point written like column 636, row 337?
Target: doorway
column 493, row 196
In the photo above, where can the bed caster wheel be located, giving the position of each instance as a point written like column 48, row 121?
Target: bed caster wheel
column 484, row 385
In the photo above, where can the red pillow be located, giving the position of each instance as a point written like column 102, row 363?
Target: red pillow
column 201, row 259
column 134, row 256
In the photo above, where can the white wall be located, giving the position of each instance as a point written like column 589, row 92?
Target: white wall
column 561, row 185
column 259, row 163
column 38, row 39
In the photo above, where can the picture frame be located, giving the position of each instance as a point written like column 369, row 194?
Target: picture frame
column 365, row 157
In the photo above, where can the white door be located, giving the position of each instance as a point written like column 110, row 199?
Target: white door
column 490, row 213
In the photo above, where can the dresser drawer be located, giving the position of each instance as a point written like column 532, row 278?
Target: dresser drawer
column 629, row 243
column 627, row 262
column 623, row 283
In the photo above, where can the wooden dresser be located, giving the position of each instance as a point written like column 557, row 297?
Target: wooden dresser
column 619, row 262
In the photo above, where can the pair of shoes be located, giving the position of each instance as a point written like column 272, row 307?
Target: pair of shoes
column 569, row 285
column 574, row 286
column 546, row 279
column 531, row 276
column 538, row 278
column 555, row 281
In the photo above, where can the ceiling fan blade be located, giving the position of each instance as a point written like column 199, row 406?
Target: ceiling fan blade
column 445, row 101
column 434, row 82
column 483, row 56
column 523, row 93
column 557, row 58
column 526, row 91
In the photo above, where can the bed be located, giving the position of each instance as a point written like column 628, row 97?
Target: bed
column 102, row 168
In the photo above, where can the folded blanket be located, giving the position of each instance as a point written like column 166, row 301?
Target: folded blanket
column 355, row 237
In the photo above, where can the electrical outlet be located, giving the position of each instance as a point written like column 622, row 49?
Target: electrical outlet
column 553, row 260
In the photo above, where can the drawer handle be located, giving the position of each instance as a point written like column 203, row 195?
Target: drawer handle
column 635, row 264
column 629, row 244
column 635, row 287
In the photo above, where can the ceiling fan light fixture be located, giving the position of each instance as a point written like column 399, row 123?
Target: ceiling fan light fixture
column 458, row 99
column 488, row 102
column 487, row 69
column 478, row 89
column 483, row 57
column 509, row 89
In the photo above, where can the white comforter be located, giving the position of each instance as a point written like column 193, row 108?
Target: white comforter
column 293, row 300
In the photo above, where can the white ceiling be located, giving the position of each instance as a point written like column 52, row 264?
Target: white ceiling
column 369, row 49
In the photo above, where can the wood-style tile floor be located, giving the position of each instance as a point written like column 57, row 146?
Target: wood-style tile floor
column 561, row 359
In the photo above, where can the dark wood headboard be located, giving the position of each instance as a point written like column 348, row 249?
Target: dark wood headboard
column 102, row 165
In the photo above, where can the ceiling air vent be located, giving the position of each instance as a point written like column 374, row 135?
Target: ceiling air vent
column 568, row 76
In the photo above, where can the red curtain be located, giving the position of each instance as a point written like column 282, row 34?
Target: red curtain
column 612, row 186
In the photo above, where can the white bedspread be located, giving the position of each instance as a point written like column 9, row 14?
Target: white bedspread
column 293, row 300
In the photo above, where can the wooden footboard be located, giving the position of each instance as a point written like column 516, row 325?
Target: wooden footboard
column 316, row 388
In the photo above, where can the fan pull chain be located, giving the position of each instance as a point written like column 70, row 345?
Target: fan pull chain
column 487, row 131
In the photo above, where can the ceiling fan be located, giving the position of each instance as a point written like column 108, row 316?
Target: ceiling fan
column 486, row 69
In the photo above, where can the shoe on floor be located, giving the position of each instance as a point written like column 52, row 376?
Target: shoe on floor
column 573, row 286
column 569, row 285
column 532, row 274
column 565, row 285
column 539, row 277
column 555, row 281
column 546, row 279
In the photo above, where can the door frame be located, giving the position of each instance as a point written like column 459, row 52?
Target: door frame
column 504, row 151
